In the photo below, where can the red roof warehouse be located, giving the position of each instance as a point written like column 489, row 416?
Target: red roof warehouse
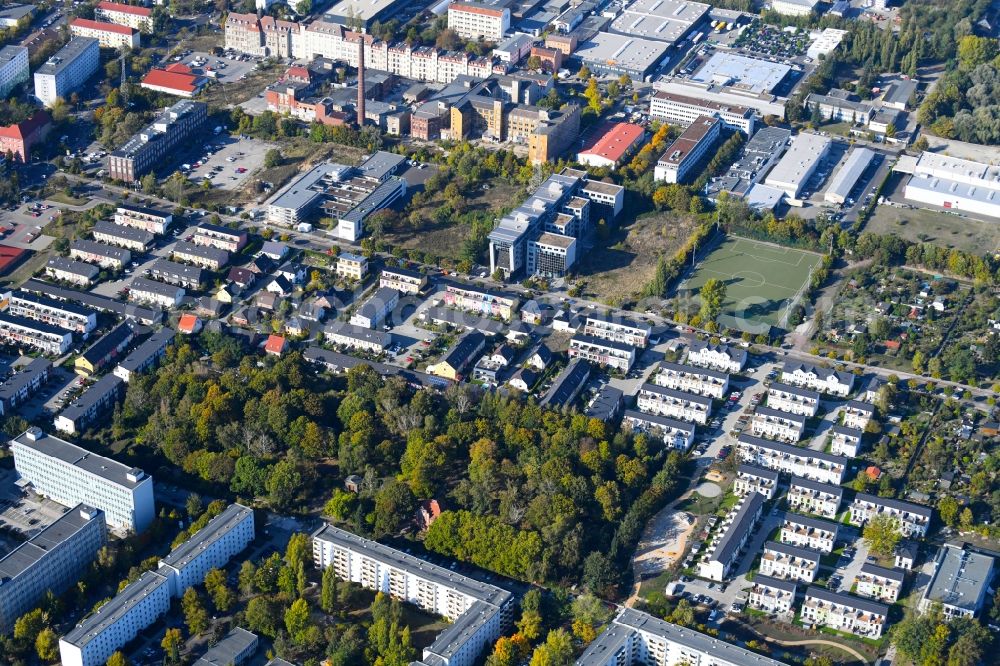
column 610, row 143
column 175, row 80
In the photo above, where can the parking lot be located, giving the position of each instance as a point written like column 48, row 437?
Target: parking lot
column 224, row 161
column 59, row 391
column 224, row 68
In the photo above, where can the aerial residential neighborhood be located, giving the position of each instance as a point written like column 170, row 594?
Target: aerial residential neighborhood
column 500, row 333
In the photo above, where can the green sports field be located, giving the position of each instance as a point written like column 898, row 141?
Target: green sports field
column 762, row 280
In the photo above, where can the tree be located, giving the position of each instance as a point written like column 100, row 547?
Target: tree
column 881, row 534
column 215, row 584
column 557, row 650
column 272, row 158
column 303, row 7
column 328, row 590
column 193, row 505
column 117, row 659
column 394, row 505
column 966, row 520
column 341, row 504
column 195, row 615
column 28, row 626
column 534, row 62
column 171, row 644
column 247, row 578
column 713, row 295
column 297, row 618
column 47, row 645
column 260, row 617
column 948, row 508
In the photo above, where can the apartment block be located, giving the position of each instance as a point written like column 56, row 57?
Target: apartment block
column 223, row 238
column 845, row 441
column 146, row 355
column 133, row 16
column 734, row 534
column 148, row 149
column 789, row 562
column 808, row 532
column 402, row 280
column 23, row 383
column 772, row 595
column 211, row 547
column 750, row 479
column 157, row 293
column 844, row 612
column 181, row 275
column 72, row 271
column 813, row 377
column 879, row 583
column 62, row 314
column 481, row 301
column 67, row 70
column 351, row 266
column 95, row 401
column 109, row 35
column 675, row 434
column 717, row 357
column 914, row 519
column 130, row 237
column 691, row 379
column 45, row 338
column 615, row 355
column 684, row 110
column 207, row 257
column 792, row 399
column 653, row 399
column 790, row 459
column 378, row 307
column 54, row 559
column 960, row 582
column 778, row 425
column 617, row 329
column 105, row 256
column 857, row 414
column 479, row 612
column 71, row 475
column 147, row 219
column 821, row 499
column 13, row 68
column 475, row 20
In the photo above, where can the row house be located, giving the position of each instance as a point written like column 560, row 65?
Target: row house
column 857, row 414
column 481, row 301
column 813, row 377
column 675, row 434
column 820, row 499
column 119, row 235
column 23, row 383
column 750, row 479
column 147, row 219
column 789, row 562
column 72, row 271
column 844, row 612
column 146, row 355
column 149, row 291
column 846, row 441
column 617, row 329
column 210, row 258
column 791, row 459
column 775, row 424
column 772, row 595
column 105, row 256
column 403, row 280
column 717, row 357
column 653, row 399
column 344, row 334
column 48, row 339
column 736, row 530
column 224, row 238
column 879, row 583
column 690, row 379
column 913, row 518
column 63, row 314
column 92, row 404
column 792, row 399
column 808, row 532
column 106, row 349
column 181, row 275
column 615, row 355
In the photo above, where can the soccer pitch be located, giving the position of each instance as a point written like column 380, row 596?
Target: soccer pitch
column 762, row 281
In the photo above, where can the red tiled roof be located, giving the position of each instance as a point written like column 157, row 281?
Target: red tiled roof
column 102, row 25
column 10, row 257
column 475, row 9
column 297, row 73
column 187, row 324
column 275, row 344
column 25, row 128
column 125, row 9
column 614, row 142
column 178, row 68
column 170, row 80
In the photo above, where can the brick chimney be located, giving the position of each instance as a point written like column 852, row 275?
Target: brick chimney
column 361, row 81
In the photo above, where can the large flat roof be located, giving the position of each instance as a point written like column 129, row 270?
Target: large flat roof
column 113, row 610
column 31, row 551
column 848, row 175
column 742, row 72
column 364, row 10
column 67, row 55
column 960, row 577
column 663, row 20
column 800, row 161
column 763, row 149
column 628, row 52
column 60, row 449
column 202, row 539
column 229, row 649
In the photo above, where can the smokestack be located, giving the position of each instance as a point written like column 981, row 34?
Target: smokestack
column 361, row 80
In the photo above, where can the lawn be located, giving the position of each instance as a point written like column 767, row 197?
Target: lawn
column 762, row 281
column 920, row 225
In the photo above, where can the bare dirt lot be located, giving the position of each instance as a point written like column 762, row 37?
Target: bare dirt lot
column 943, row 229
column 616, row 270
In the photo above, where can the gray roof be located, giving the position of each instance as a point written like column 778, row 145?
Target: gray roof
column 216, row 528
column 794, row 390
column 742, row 523
column 842, row 377
column 152, row 212
column 105, row 468
column 814, row 523
column 775, row 583
column 227, row 650
column 97, row 392
column 31, row 551
column 80, row 268
column 899, row 505
column 108, row 342
column 151, row 347
column 601, row 342
column 677, row 395
column 16, row 382
column 777, row 413
column 109, row 251
column 817, row 486
column 607, row 401
column 849, row 432
column 848, row 600
column 899, row 92
column 464, row 320
column 207, row 252
column 791, row 449
column 126, row 233
column 760, row 472
column 32, row 325
column 793, row 551
column 621, row 321
column 112, row 611
column 304, row 191
column 177, row 271
column 462, row 353
column 568, row 384
column 380, row 165
column 102, row 303
column 882, row 572
column 847, row 177
column 694, row 370
column 16, row 12
column 343, row 362
column 659, row 421
column 858, row 405
column 152, row 286
column 359, row 333
column 68, row 54
column 376, row 302
column 457, row 634
column 735, row 353
column 960, row 576
column 65, row 306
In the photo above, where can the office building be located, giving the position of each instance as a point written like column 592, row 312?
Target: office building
column 674, row 434
column 67, row 70
column 211, row 547
column 732, row 537
column 52, row 560
column 653, row 399
column 71, row 475
column 72, row 271
column 13, row 68
column 95, row 401
column 815, row 378
column 750, row 479
column 146, row 219
column 402, row 280
column 844, row 612
column 45, row 338
column 108, row 35
column 133, row 16
column 479, row 612
column 551, row 255
column 960, row 582
column 955, row 184
column 791, row 459
column 723, row 358
column 821, row 499
column 789, row 562
column 772, row 595
column 617, row 355
column 146, row 355
column 778, row 425
column 105, row 256
column 150, row 149
column 914, row 519
column 879, row 583
column 687, row 152
column 684, row 110
column 797, row 167
column 617, row 329
column 808, row 532
column 691, row 379
column 63, row 314
column 157, row 293
column 849, row 175
column 792, row 399
column 23, row 383
column 479, row 20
